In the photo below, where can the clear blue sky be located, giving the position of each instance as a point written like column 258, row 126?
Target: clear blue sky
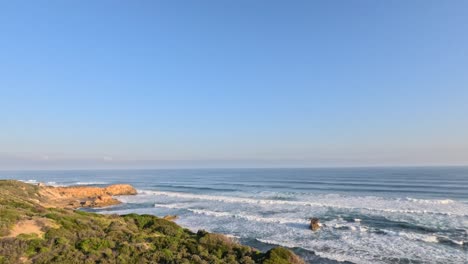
column 233, row 83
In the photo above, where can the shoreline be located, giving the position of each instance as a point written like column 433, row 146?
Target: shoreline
column 209, row 204
column 41, row 224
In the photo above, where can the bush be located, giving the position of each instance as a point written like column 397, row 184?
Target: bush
column 93, row 245
column 281, row 256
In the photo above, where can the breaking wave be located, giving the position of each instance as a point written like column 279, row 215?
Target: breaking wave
column 396, row 205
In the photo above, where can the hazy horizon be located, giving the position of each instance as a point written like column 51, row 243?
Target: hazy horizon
column 202, row 165
column 233, row 84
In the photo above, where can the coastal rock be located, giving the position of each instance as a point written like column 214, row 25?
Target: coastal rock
column 86, row 203
column 91, row 191
column 315, row 224
column 120, row 189
column 85, row 196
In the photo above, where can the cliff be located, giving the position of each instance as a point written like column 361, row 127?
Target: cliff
column 38, row 225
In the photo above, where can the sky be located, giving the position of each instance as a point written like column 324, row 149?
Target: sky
column 143, row 84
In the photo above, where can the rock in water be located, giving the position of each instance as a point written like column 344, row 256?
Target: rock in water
column 314, row 224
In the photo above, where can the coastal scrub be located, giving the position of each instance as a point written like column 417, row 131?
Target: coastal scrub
column 68, row 236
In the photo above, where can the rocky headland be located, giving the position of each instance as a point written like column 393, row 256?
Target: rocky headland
column 84, row 196
column 40, row 224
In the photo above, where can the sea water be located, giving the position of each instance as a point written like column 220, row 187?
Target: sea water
column 369, row 215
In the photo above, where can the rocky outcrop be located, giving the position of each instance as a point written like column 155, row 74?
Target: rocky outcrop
column 314, row 224
column 87, row 191
column 120, row 189
column 85, row 196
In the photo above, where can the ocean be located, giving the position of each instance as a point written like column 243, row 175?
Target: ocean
column 369, row 215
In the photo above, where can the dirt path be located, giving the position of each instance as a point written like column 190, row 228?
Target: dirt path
column 26, row 227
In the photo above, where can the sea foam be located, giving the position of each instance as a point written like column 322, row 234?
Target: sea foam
column 409, row 206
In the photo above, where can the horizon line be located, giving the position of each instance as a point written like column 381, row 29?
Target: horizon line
column 246, row 168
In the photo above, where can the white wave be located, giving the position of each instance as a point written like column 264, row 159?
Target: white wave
column 340, row 224
column 420, row 237
column 454, row 241
column 338, row 239
column 169, row 206
column 54, row 184
column 49, row 183
column 29, row 181
column 337, row 201
column 458, row 242
column 371, row 248
column 89, row 183
column 430, row 201
column 329, row 255
column 212, row 213
column 248, row 217
column 279, row 220
column 424, row 237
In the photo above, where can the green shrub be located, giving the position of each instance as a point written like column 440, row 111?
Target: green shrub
column 142, row 221
column 61, row 241
column 34, row 246
column 94, row 244
column 8, row 217
column 281, row 256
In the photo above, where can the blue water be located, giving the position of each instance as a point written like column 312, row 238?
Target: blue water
column 370, row 215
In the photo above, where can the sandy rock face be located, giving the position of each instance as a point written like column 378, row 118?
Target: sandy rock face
column 85, row 196
column 89, row 191
column 120, row 189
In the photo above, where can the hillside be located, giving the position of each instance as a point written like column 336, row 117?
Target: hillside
column 33, row 231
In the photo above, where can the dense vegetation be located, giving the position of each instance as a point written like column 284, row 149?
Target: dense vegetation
column 80, row 237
